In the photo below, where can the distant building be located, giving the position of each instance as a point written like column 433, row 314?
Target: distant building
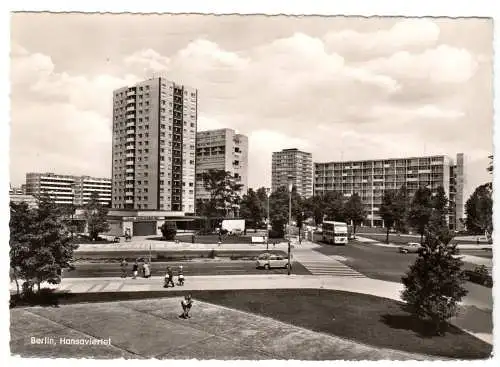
column 29, row 199
column 17, row 190
column 221, row 149
column 370, row 178
column 154, row 138
column 295, row 164
column 68, row 189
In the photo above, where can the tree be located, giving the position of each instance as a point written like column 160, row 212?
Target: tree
column 298, row 209
column 354, row 211
column 401, row 207
column 315, row 207
column 169, row 230
column 223, row 189
column 388, row 210
column 96, row 217
column 251, row 208
column 439, row 204
column 434, row 283
column 40, row 246
column 334, row 206
column 278, row 208
column 420, row 210
column 479, row 210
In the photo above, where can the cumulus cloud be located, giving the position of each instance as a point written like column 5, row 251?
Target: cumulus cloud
column 443, row 64
column 405, row 33
column 148, row 60
column 403, row 86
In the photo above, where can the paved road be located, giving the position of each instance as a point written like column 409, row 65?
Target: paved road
column 388, row 264
column 95, row 270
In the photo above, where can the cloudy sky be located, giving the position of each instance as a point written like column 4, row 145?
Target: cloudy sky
column 338, row 87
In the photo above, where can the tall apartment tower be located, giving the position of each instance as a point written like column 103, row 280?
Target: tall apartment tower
column 296, row 164
column 371, row 178
column 154, row 138
column 221, row 149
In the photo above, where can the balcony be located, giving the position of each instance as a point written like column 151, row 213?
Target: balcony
column 129, row 193
column 131, row 131
column 130, row 109
column 130, row 155
column 129, row 186
column 130, row 124
column 130, row 140
column 130, row 93
column 130, row 100
column 129, row 162
column 130, row 146
column 130, row 115
column 129, row 170
column 129, row 201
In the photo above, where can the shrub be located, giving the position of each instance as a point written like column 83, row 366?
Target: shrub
column 169, row 230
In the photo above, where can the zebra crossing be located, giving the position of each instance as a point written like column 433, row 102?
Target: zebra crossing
column 319, row 264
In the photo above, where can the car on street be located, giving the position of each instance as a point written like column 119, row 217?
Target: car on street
column 410, row 247
column 480, row 275
column 268, row 260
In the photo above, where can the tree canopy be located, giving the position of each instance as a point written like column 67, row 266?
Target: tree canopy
column 40, row 246
column 389, row 210
column 354, row 210
column 96, row 217
column 479, row 210
column 224, row 192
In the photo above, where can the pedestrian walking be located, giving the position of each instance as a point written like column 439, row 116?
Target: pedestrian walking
column 147, row 270
column 169, row 278
column 181, row 276
column 135, row 269
column 186, row 305
column 123, row 266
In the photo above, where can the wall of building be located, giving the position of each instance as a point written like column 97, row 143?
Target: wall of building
column 371, row 178
column 294, row 163
column 160, row 168
column 221, row 149
column 67, row 189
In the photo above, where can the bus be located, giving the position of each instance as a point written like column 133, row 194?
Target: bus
column 335, row 232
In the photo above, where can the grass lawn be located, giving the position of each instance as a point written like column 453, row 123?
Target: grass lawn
column 371, row 320
column 367, row 319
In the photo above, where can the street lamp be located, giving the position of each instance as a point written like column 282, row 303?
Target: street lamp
column 290, row 187
column 268, row 194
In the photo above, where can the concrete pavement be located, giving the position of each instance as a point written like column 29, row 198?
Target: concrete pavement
column 139, row 244
column 370, row 286
column 213, row 332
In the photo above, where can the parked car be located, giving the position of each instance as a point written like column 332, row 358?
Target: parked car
column 268, row 260
column 411, row 247
column 480, row 275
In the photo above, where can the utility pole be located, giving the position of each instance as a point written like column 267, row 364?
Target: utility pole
column 268, row 194
column 290, row 187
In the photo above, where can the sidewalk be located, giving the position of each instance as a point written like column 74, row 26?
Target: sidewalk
column 369, row 286
column 157, row 245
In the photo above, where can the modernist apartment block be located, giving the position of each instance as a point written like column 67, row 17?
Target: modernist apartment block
column 371, row 178
column 221, row 149
column 154, row 138
column 66, row 189
column 295, row 164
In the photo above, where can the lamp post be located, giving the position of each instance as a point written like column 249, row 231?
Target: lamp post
column 290, row 187
column 268, row 194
